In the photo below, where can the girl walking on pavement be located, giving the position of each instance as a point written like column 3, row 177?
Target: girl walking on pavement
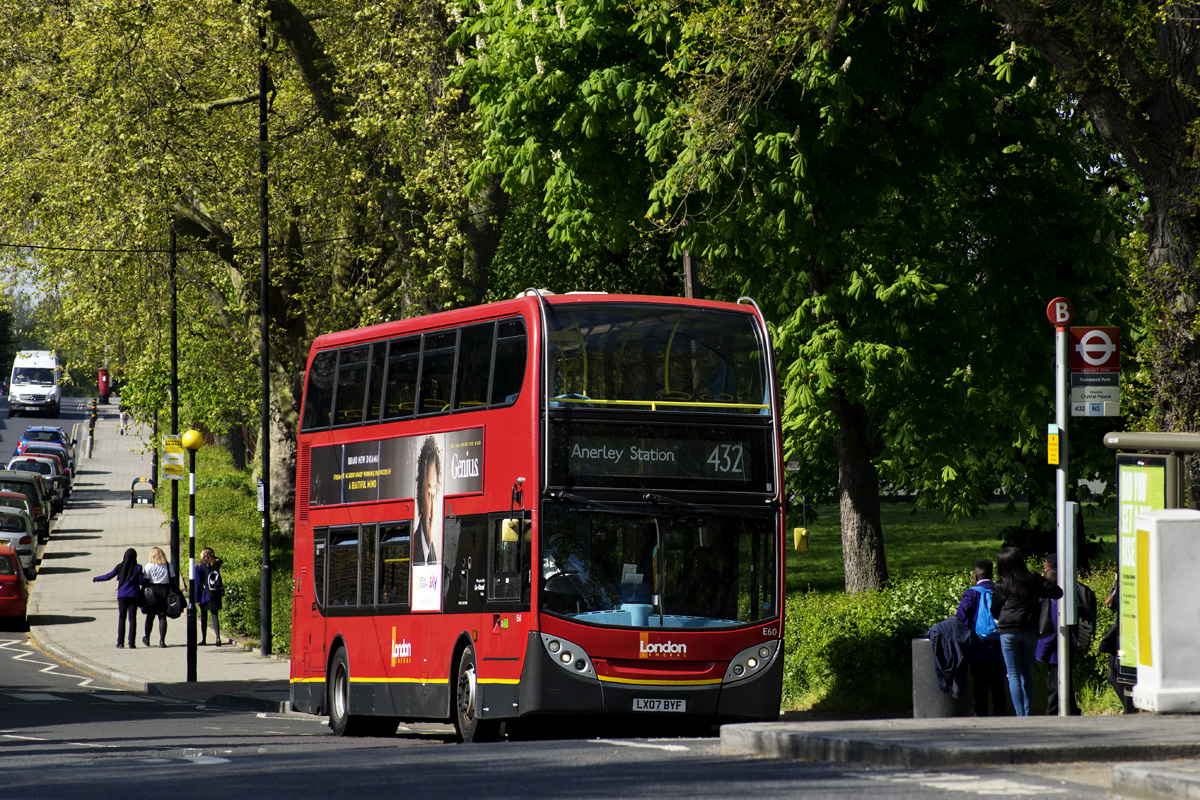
column 160, row 577
column 209, row 591
column 129, row 589
column 1016, row 601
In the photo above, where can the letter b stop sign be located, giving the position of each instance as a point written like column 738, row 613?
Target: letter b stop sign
column 1060, row 312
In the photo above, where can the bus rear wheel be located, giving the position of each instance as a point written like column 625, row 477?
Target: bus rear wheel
column 466, row 704
column 341, row 721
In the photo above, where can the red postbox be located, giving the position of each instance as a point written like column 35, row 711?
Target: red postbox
column 104, row 387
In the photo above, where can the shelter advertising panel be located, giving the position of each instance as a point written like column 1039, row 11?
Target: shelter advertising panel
column 1141, row 489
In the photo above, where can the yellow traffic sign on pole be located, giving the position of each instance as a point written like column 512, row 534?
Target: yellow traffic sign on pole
column 173, row 464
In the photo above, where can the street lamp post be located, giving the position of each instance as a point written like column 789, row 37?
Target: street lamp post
column 192, row 440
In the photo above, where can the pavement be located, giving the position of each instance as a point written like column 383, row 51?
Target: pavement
column 74, row 619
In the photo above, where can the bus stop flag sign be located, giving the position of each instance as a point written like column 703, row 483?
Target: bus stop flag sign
column 1095, row 371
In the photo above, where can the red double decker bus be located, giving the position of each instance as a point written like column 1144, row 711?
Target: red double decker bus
column 554, row 505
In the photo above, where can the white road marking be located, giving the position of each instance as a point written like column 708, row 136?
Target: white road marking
column 670, row 748
column 974, row 784
column 28, row 656
column 44, row 739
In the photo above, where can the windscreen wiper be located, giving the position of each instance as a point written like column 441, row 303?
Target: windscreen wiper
column 651, row 497
column 571, row 497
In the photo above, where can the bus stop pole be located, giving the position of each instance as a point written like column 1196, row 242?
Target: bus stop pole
column 1062, row 365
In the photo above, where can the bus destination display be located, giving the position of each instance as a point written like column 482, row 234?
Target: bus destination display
column 667, row 458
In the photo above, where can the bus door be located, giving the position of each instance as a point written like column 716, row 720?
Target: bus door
column 308, row 601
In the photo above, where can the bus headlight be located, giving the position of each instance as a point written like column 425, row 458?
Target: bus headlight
column 568, row 655
column 752, row 661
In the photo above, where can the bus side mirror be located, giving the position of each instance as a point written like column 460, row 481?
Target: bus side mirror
column 511, row 530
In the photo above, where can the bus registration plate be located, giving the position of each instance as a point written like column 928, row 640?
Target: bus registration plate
column 658, row 704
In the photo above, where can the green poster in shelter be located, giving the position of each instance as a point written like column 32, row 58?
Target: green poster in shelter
column 1141, row 484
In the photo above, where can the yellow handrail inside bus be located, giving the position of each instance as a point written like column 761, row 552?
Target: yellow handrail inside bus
column 656, row 404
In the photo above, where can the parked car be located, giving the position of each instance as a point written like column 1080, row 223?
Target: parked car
column 18, row 501
column 14, row 588
column 17, row 531
column 64, row 454
column 34, row 488
column 45, row 433
column 61, row 469
column 49, row 470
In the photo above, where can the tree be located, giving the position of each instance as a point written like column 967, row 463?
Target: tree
column 1133, row 68
column 901, row 213
column 120, row 121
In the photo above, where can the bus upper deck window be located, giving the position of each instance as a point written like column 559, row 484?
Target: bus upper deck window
column 474, row 366
column 400, row 393
column 351, row 386
column 318, row 400
column 437, row 372
column 508, row 372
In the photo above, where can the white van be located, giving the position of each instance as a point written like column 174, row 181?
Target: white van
column 35, row 383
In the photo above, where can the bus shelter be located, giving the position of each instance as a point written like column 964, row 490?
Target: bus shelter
column 1150, row 478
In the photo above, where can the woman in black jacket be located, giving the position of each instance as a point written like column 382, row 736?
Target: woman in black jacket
column 1016, row 601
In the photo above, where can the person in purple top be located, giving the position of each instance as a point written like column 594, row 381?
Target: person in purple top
column 988, row 675
column 1047, row 646
column 129, row 592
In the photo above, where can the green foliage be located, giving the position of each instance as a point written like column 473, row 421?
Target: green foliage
column 1088, row 669
column 527, row 256
column 852, row 652
column 901, row 215
column 120, row 124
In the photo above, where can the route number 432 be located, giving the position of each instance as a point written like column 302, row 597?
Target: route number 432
column 726, row 458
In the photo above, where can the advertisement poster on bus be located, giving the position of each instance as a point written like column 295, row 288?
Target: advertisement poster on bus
column 1141, row 487
column 426, row 468
column 427, row 526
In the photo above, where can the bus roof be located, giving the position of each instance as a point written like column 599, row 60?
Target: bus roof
column 525, row 302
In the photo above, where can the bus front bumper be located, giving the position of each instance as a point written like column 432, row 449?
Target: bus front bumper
column 548, row 688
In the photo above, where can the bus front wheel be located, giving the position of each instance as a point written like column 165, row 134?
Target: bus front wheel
column 466, row 704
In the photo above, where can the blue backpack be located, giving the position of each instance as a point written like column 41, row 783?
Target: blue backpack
column 985, row 623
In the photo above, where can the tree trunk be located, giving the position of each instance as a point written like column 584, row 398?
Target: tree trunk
column 858, row 491
column 283, row 476
column 235, row 442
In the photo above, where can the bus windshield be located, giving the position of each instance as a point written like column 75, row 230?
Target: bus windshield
column 692, row 569
column 656, row 357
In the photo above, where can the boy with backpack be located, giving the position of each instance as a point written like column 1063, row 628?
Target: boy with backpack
column 988, row 673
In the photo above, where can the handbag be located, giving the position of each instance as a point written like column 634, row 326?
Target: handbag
column 149, row 598
column 1046, row 625
column 175, row 604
